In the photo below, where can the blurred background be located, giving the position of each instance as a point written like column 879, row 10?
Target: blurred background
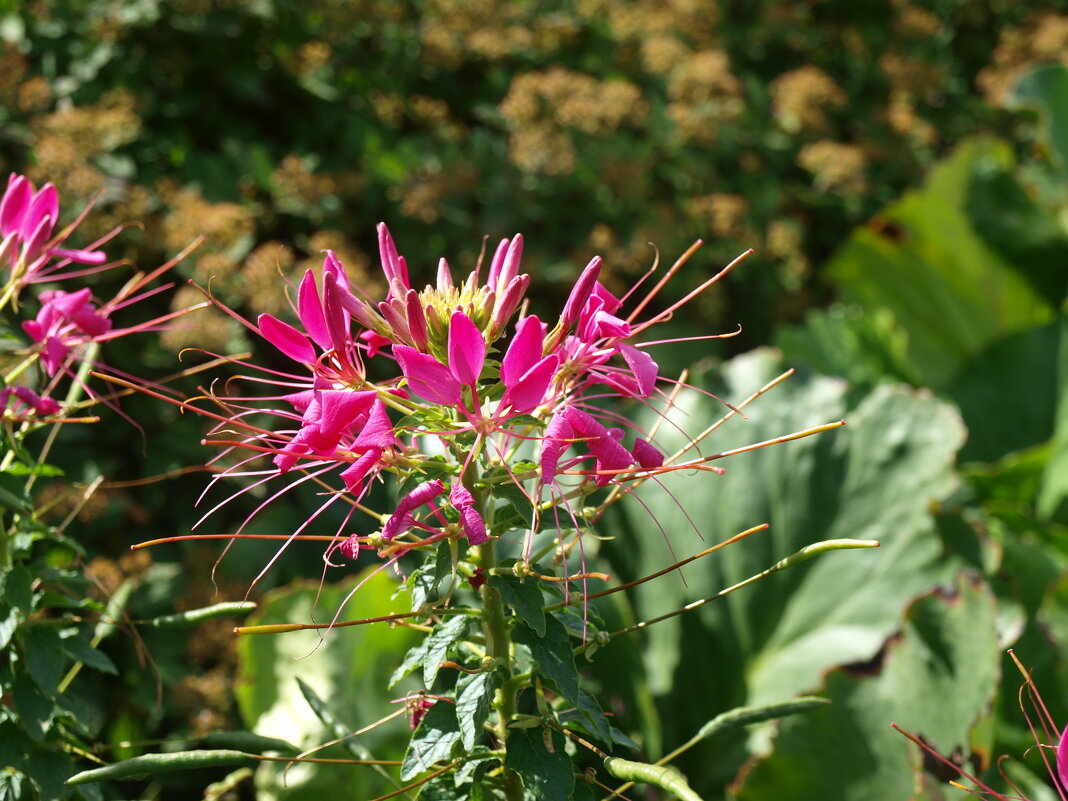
column 901, row 171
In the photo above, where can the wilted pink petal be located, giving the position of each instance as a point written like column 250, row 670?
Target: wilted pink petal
column 310, row 311
column 464, row 502
column 467, row 349
column 647, row 455
column 556, row 439
column 427, row 377
column 643, row 367
column 401, row 520
column 350, row 548
column 287, row 339
column 609, row 453
column 580, row 292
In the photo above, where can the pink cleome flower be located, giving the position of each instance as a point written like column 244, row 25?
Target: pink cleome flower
column 471, row 368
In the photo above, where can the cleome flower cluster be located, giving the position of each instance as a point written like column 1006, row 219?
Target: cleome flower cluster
column 68, row 321
column 483, row 394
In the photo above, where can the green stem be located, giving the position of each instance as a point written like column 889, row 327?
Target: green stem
column 499, row 647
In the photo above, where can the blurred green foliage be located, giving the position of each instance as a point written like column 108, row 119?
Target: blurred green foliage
column 906, row 194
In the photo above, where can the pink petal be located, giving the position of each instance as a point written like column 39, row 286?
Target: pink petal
column 427, row 377
column 467, row 349
column 375, row 342
column 340, row 409
column 287, row 339
column 310, row 310
column 496, row 263
column 416, row 319
column 354, row 474
column 580, row 292
column 643, row 367
column 510, row 265
column 81, row 256
column 45, row 205
column 1062, row 759
column 377, row 432
column 528, row 393
column 337, row 319
column 556, row 439
column 464, row 502
column 524, row 351
column 17, row 199
column 647, row 455
column 333, row 265
column 392, row 264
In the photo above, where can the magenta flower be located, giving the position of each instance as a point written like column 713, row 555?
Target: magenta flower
column 26, row 400
column 66, row 319
column 27, row 241
column 464, row 502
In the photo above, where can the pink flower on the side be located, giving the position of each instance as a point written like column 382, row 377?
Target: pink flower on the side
column 65, row 319
column 28, row 218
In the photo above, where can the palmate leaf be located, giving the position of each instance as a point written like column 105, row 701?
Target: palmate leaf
column 873, row 479
column 937, row 678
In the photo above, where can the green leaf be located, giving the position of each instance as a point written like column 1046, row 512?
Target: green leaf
column 553, row 655
column 79, row 649
column 433, row 741
column 877, row 478
column 14, row 785
column 35, row 709
column 474, row 699
column 13, row 494
column 424, row 582
column 45, row 657
column 950, row 293
column 439, row 642
column 589, row 715
column 523, row 596
column 1045, row 89
column 155, row 764
column 947, row 650
column 547, row 776
column 17, row 588
column 9, row 622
